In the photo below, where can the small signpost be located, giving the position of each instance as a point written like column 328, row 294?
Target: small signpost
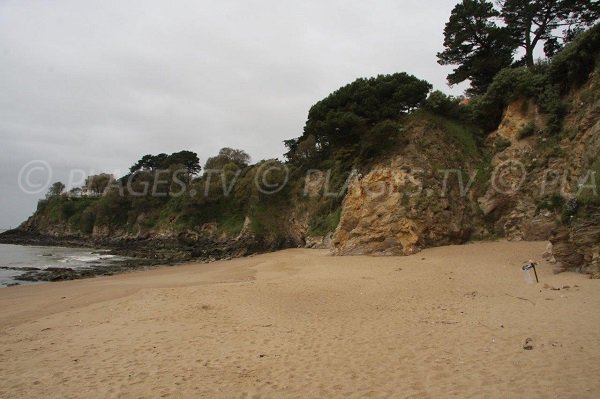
column 531, row 265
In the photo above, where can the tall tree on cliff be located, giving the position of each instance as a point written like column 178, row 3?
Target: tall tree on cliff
column 474, row 42
column 481, row 38
column 552, row 22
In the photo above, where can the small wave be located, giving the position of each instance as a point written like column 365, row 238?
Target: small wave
column 89, row 258
column 85, row 258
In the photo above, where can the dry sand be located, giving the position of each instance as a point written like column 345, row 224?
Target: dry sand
column 448, row 322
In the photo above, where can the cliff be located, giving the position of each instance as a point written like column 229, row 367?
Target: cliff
column 416, row 198
column 521, row 162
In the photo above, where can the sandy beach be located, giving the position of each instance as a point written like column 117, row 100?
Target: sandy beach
column 447, row 322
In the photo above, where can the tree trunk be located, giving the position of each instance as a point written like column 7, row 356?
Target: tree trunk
column 529, row 47
column 529, row 57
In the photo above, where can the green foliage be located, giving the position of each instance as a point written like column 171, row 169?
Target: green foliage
column 551, row 203
column 573, row 65
column 474, row 42
column 483, row 176
column 79, row 207
column 380, row 140
column 550, row 103
column 53, row 210
column 239, row 158
column 439, row 103
column 307, row 149
column 339, row 171
column 544, row 83
column 527, row 131
column 187, row 159
column 87, row 221
column 112, row 210
column 519, row 83
column 232, row 224
column 501, row 144
column 225, row 212
column 67, row 211
column 569, row 210
column 42, row 205
column 481, row 39
column 324, row 222
column 346, row 117
column 374, row 99
column 462, row 134
column 98, row 183
column 532, row 22
column 55, row 190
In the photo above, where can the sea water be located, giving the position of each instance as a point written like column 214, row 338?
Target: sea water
column 14, row 259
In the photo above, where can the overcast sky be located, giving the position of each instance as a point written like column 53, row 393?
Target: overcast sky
column 93, row 86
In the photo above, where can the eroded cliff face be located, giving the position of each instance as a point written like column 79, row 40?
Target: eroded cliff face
column 208, row 241
column 520, row 178
column 577, row 244
column 538, row 166
column 413, row 200
column 534, row 188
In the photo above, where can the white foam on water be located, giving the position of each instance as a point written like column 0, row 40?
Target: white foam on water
column 84, row 258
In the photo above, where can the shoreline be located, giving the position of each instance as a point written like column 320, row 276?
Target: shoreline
column 27, row 267
column 171, row 248
column 138, row 253
column 136, row 260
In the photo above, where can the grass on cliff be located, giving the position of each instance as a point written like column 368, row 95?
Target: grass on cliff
column 65, row 210
column 326, row 222
column 463, row 135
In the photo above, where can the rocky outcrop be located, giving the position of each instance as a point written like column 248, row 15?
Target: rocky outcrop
column 374, row 218
column 403, row 205
column 518, row 116
column 395, row 207
column 534, row 192
column 320, row 242
column 514, row 187
column 164, row 244
column 577, row 247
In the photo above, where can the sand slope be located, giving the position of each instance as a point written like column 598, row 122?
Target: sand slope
column 300, row 323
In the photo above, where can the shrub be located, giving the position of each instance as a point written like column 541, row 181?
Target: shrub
column 572, row 66
column 380, row 139
column 501, row 144
column 448, row 106
column 87, row 221
column 67, row 210
column 326, row 219
column 527, row 131
column 552, row 203
column 569, row 210
column 550, row 103
column 544, row 83
column 347, row 115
